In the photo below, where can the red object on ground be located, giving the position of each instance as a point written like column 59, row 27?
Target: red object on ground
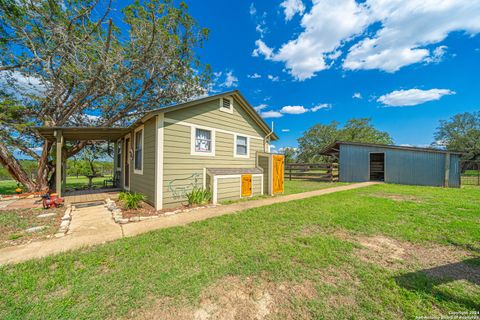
column 52, row 201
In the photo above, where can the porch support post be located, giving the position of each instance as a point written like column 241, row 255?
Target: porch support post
column 64, row 171
column 58, row 162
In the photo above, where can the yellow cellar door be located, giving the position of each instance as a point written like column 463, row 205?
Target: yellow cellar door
column 246, row 185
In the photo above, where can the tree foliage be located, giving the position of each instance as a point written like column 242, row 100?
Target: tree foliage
column 460, row 133
column 315, row 139
column 78, row 62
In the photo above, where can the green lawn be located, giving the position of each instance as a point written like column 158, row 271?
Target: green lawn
column 294, row 186
column 301, row 259
column 9, row 186
column 298, row 186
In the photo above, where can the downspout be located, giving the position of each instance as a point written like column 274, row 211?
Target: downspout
column 265, row 139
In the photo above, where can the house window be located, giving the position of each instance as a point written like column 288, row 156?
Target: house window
column 242, row 146
column 203, row 140
column 138, row 163
column 226, row 104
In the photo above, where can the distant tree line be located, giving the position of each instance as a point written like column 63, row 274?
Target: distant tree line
column 76, row 167
column 459, row 133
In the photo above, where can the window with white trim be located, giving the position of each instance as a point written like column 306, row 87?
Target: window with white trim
column 242, row 146
column 203, row 140
column 138, row 163
column 226, row 104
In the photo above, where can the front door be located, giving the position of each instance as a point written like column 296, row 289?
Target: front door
column 278, row 173
column 126, row 179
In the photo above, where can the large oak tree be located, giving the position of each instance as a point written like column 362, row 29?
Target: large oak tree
column 83, row 62
column 315, row 139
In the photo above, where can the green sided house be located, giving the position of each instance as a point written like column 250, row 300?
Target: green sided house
column 218, row 143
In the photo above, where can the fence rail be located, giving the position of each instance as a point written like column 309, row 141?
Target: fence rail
column 470, row 172
column 312, row 171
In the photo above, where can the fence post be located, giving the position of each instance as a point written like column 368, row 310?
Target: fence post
column 290, row 173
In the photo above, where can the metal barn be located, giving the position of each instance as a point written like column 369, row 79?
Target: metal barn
column 360, row 162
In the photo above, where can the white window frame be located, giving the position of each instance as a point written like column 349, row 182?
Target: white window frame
column 194, row 152
column 235, row 146
column 140, row 128
column 228, row 110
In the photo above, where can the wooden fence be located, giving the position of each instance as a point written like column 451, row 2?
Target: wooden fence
column 312, row 171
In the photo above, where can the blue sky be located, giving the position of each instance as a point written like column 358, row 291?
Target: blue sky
column 405, row 64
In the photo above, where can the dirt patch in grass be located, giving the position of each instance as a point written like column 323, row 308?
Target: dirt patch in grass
column 395, row 254
column 236, row 298
column 397, row 197
column 13, row 224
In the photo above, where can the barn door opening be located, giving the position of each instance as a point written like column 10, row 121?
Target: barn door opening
column 377, row 166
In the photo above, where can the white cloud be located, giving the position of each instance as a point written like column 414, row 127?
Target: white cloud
column 254, row 76
column 273, row 78
column 231, row 80
column 412, row 97
column 321, row 106
column 408, row 27
column 375, row 34
column 272, row 146
column 293, row 110
column 262, row 50
column 437, row 54
column 21, row 85
column 357, row 95
column 252, row 9
column 285, row 130
column 260, row 107
column 271, row 114
column 292, row 7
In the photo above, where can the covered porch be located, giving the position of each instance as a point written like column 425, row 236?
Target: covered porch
column 59, row 136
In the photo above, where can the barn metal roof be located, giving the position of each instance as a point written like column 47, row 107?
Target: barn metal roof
column 335, row 147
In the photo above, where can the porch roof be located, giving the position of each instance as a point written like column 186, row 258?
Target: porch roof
column 83, row 133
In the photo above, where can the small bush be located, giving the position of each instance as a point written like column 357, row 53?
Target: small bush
column 199, row 196
column 131, row 200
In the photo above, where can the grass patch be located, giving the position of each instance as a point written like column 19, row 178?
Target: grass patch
column 292, row 187
column 9, row 186
column 14, row 222
column 294, row 242
column 299, row 186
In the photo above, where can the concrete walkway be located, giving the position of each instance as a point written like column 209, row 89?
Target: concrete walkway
column 94, row 225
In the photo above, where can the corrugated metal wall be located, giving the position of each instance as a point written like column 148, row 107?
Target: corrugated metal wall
column 401, row 166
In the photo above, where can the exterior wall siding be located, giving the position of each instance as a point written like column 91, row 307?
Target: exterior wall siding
column 230, row 188
column 401, row 166
column 263, row 162
column 182, row 170
column 145, row 183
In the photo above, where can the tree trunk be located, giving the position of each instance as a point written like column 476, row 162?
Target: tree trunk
column 14, row 168
column 43, row 170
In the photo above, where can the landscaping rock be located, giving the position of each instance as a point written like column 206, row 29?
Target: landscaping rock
column 35, row 229
column 134, row 219
column 46, row 215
